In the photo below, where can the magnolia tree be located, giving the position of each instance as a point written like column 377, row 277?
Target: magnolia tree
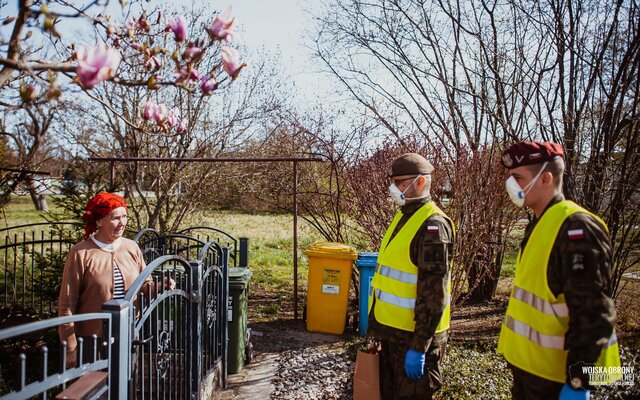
column 44, row 67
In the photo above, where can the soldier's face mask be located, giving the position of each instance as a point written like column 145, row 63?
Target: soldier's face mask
column 398, row 196
column 516, row 193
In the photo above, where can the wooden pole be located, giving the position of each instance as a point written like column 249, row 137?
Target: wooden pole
column 295, row 240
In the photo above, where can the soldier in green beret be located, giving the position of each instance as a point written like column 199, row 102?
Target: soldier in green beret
column 409, row 301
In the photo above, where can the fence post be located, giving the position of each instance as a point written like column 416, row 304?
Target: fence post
column 244, row 252
column 225, row 302
column 120, row 347
column 195, row 328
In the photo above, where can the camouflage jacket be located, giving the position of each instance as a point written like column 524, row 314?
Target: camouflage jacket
column 431, row 253
column 580, row 267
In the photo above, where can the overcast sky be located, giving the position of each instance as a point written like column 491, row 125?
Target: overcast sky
column 280, row 25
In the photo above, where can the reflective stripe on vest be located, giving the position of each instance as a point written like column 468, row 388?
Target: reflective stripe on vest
column 548, row 341
column 557, row 309
column 401, row 302
column 392, row 273
column 394, row 283
column 532, row 336
column 522, row 329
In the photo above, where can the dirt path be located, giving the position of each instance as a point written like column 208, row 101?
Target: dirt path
column 291, row 363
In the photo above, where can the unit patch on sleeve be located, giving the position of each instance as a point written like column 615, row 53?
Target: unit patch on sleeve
column 578, row 262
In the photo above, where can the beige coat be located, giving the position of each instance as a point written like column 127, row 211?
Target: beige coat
column 87, row 283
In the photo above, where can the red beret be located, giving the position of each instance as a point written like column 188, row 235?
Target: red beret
column 99, row 206
column 529, row 153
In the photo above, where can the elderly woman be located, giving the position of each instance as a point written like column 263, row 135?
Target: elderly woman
column 100, row 268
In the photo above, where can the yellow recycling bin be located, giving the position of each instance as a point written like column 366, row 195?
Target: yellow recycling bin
column 330, row 267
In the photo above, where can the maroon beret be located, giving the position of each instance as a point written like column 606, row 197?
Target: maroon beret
column 529, row 153
column 410, row 164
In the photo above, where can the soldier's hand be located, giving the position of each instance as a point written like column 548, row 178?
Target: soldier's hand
column 414, row 364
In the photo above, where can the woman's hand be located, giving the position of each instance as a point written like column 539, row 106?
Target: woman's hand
column 71, row 359
column 169, row 283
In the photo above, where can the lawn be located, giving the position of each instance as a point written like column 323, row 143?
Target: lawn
column 21, row 211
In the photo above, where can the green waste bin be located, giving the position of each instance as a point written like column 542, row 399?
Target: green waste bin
column 238, row 347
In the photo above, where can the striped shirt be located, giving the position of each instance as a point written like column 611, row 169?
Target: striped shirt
column 118, row 280
column 118, row 283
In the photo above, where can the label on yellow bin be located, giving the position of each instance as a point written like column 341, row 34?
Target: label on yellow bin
column 331, row 281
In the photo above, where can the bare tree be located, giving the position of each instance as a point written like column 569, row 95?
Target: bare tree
column 25, row 125
column 471, row 76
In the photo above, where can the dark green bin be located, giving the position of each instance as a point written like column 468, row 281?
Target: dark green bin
column 239, row 350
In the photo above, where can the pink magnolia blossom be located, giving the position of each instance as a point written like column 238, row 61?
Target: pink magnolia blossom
column 159, row 113
column 147, row 113
column 132, row 26
column 231, row 61
column 172, row 118
column 96, row 64
column 191, row 53
column 186, row 74
column 143, row 23
column 28, row 93
column 222, row 28
column 179, row 28
column 208, row 84
column 183, row 125
column 153, row 64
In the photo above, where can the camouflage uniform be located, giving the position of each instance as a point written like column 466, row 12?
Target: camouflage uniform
column 431, row 253
column 581, row 269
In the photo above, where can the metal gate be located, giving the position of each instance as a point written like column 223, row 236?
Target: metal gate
column 160, row 342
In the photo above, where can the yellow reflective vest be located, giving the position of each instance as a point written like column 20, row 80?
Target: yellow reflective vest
column 533, row 332
column 394, row 282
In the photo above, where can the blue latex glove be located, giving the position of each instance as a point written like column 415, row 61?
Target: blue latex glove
column 569, row 393
column 414, row 364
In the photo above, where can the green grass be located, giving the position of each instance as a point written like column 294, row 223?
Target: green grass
column 21, row 211
column 270, row 245
column 462, row 367
column 508, row 269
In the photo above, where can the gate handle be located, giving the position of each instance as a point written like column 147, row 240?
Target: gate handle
column 141, row 342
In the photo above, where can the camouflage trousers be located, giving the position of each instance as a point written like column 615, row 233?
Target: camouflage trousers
column 527, row 386
column 396, row 385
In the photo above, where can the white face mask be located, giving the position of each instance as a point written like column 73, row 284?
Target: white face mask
column 516, row 193
column 398, row 196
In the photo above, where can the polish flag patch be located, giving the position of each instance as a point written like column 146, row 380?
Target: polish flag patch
column 433, row 229
column 575, row 234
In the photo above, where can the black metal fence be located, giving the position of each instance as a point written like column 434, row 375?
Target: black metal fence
column 187, row 240
column 31, row 259
column 41, row 370
column 160, row 342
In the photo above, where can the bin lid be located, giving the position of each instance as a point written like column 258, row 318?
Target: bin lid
column 368, row 254
column 331, row 250
column 239, row 275
column 367, row 259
